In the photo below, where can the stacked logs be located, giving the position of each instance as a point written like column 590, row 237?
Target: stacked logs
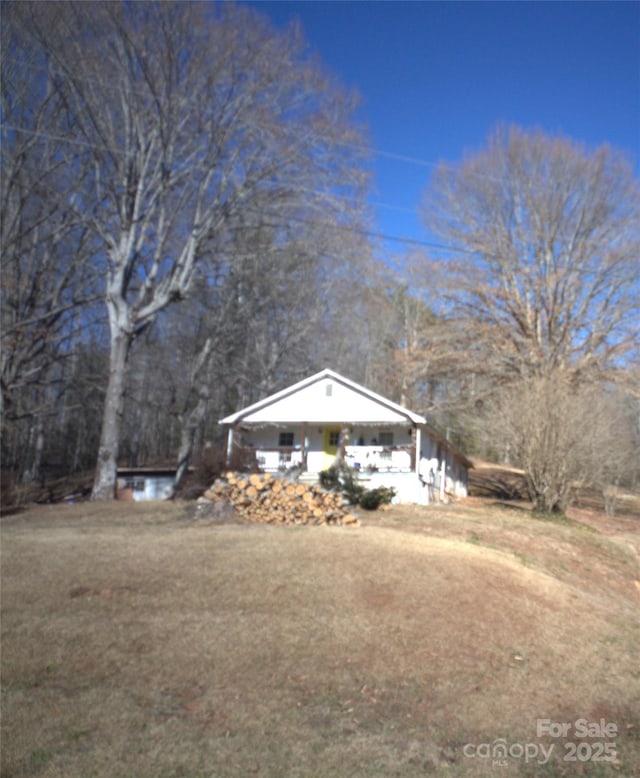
column 260, row 497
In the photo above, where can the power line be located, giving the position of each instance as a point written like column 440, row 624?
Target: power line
column 361, row 231
column 101, row 147
column 404, row 240
column 396, row 155
column 359, row 146
column 368, row 233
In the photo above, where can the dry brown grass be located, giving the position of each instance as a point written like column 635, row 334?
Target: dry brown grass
column 137, row 642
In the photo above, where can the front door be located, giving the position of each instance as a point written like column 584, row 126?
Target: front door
column 330, row 440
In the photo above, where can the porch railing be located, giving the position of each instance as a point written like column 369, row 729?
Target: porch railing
column 364, row 458
column 278, row 458
column 381, row 459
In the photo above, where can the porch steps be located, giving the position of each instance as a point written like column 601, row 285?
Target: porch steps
column 308, row 478
column 312, row 478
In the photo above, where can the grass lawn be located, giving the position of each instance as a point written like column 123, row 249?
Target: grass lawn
column 140, row 642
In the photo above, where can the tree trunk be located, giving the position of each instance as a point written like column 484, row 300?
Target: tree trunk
column 32, row 471
column 104, row 485
column 194, row 419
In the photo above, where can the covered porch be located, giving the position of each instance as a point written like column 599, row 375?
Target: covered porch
column 312, row 448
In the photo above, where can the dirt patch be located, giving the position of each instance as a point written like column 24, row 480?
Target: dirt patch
column 106, row 593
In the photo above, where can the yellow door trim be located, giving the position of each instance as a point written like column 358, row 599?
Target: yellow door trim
column 330, row 436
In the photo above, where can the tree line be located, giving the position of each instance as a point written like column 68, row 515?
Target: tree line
column 185, row 230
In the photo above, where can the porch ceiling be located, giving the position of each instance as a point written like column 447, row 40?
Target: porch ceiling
column 248, row 424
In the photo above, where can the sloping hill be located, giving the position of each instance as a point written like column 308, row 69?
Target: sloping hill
column 137, row 641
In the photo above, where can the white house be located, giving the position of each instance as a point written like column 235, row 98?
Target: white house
column 307, row 425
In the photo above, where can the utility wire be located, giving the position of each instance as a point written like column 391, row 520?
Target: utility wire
column 367, row 233
column 100, row 147
column 361, row 231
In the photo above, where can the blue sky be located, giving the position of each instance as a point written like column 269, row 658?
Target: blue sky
column 436, row 77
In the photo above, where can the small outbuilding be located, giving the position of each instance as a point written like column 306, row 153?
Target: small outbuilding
column 145, row 483
column 327, row 418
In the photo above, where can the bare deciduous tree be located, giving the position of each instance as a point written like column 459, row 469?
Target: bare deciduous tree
column 564, row 436
column 45, row 291
column 543, row 247
column 542, row 289
column 186, row 114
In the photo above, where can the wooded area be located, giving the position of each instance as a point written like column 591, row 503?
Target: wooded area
column 185, row 231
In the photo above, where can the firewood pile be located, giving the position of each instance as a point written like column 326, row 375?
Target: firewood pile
column 262, row 498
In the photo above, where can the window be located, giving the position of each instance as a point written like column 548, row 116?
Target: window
column 385, row 438
column 334, row 437
column 285, row 439
column 135, row 483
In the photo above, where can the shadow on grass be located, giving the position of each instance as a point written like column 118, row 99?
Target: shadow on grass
column 498, row 483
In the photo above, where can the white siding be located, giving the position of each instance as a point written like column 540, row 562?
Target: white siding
column 155, row 488
column 315, row 404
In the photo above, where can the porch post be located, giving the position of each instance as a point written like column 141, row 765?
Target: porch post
column 305, row 444
column 229, row 444
column 234, row 439
column 417, row 447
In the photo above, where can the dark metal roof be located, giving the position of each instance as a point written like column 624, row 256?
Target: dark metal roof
column 150, row 471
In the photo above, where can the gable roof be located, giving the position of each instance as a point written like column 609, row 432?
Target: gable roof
column 326, row 397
